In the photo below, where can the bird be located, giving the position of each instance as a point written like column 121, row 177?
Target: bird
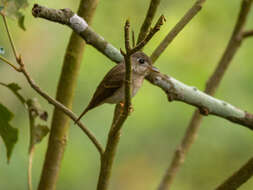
column 112, row 88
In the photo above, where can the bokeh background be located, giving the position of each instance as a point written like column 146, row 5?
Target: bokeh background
column 155, row 128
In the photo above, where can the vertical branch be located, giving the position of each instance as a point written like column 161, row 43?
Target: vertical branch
column 148, row 19
column 177, row 28
column 110, row 150
column 212, row 84
column 118, row 120
column 128, row 65
column 238, row 178
column 65, row 93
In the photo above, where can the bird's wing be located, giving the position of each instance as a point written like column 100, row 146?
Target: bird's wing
column 113, row 80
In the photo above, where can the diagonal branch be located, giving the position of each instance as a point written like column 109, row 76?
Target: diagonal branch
column 61, row 107
column 248, row 33
column 63, row 16
column 148, row 19
column 51, row 100
column 177, row 28
column 238, row 178
column 211, row 87
column 151, row 33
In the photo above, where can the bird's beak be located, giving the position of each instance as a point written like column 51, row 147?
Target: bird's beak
column 152, row 68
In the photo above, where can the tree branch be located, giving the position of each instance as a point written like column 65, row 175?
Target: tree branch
column 211, row 86
column 9, row 35
column 61, row 107
column 247, row 34
column 118, row 119
column 238, row 178
column 177, row 28
column 52, row 101
column 151, row 33
column 158, row 79
column 148, row 19
column 65, row 95
column 9, row 63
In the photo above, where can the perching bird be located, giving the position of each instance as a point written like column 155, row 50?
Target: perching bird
column 112, row 88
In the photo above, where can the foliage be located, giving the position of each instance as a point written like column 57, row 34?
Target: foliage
column 7, row 132
column 14, row 9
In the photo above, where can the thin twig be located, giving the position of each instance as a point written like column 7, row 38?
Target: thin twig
column 151, row 33
column 238, row 178
column 247, row 34
column 211, row 87
column 65, row 110
column 133, row 39
column 148, row 19
column 177, row 28
column 9, row 63
column 9, row 36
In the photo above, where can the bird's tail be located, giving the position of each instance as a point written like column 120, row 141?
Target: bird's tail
column 82, row 114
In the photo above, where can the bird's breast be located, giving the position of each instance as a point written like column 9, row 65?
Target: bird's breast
column 119, row 95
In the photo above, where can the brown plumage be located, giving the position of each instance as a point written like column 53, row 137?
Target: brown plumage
column 111, row 88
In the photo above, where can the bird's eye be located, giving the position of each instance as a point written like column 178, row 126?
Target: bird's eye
column 141, row 61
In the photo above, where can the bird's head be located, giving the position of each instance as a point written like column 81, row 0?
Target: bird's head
column 142, row 64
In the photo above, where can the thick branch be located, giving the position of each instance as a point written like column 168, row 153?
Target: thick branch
column 157, row 79
column 148, row 19
column 206, row 104
column 238, row 178
column 211, row 86
column 65, row 94
column 110, row 150
column 177, row 28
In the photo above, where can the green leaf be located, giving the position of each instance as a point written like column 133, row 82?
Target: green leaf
column 7, row 132
column 14, row 87
column 14, row 8
column 37, row 131
column 21, row 21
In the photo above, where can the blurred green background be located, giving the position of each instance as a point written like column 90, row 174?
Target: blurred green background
column 155, row 128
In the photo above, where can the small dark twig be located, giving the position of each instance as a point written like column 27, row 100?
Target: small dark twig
column 238, row 178
column 148, row 19
column 247, row 34
column 133, row 38
column 151, row 33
